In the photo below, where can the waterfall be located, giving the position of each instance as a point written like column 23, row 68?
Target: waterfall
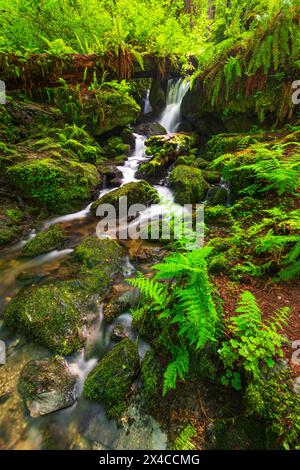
column 170, row 118
column 147, row 104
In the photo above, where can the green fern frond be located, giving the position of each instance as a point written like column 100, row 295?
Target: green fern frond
column 184, row 440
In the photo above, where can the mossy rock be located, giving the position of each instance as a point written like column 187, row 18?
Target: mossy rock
column 218, row 215
column 212, row 177
column 51, row 314
column 152, row 376
column 139, row 192
column 217, row 195
column 98, row 260
column 246, row 207
column 108, row 108
column 218, row 264
column 8, row 234
column 188, row 184
column 227, row 143
column 61, row 185
column 185, row 160
column 220, row 244
column 51, row 239
column 200, row 163
column 158, row 98
column 115, row 146
column 113, row 377
column 16, row 215
column 47, row 386
column 240, row 433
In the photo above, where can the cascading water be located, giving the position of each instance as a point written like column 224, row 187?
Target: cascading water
column 147, row 105
column 170, row 119
column 79, row 225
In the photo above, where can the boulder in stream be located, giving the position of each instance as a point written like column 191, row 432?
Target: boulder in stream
column 55, row 314
column 47, row 386
column 51, row 239
column 113, row 378
column 139, row 192
column 188, row 184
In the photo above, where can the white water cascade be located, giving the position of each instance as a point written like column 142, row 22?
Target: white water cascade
column 170, row 119
column 147, row 105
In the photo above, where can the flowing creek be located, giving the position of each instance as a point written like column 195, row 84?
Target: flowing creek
column 85, row 419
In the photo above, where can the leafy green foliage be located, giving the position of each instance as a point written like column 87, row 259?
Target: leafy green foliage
column 253, row 345
column 181, row 295
column 184, row 440
column 275, row 401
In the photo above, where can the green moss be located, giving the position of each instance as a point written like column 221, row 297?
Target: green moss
column 220, row 244
column 48, row 240
column 189, row 185
column 115, row 146
column 60, row 185
column 101, row 110
column 151, row 372
column 200, row 163
column 98, row 260
column 218, row 264
column 274, row 400
column 51, row 314
column 8, row 235
column 219, row 215
column 212, row 177
column 111, row 381
column 246, row 207
column 44, row 375
column 226, row 143
column 16, row 215
column 239, row 433
column 139, row 192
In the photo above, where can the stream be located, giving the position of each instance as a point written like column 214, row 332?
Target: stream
column 85, row 421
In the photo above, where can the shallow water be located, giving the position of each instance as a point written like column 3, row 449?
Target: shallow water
column 84, row 425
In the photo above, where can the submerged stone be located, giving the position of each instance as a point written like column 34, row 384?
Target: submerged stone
column 51, row 314
column 47, row 386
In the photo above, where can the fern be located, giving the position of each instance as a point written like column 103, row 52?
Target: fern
column 178, row 368
column 184, row 440
column 253, row 345
column 181, row 294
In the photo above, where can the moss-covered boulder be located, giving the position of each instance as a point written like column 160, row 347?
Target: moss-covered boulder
column 55, row 314
column 217, row 195
column 52, row 315
column 59, row 184
column 200, row 163
column 121, row 299
column 102, row 109
column 166, row 150
column 7, row 234
column 97, row 259
column 139, row 192
column 218, row 215
column 51, row 239
column 240, row 433
column 112, row 379
column 152, row 373
column 47, row 386
column 188, row 184
column 212, row 177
